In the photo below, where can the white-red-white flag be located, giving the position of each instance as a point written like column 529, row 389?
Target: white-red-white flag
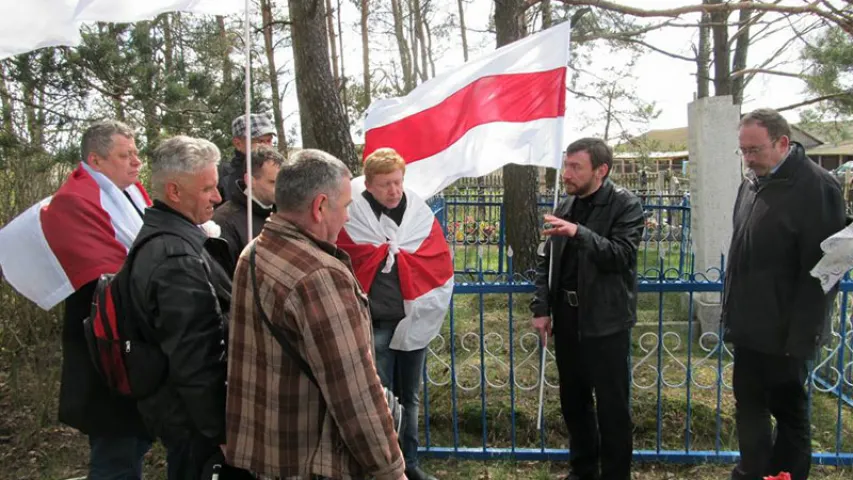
column 27, row 25
column 423, row 260
column 507, row 107
column 70, row 239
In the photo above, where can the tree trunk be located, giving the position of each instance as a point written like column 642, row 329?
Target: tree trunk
column 741, row 50
column 365, row 56
column 429, row 50
column 168, row 44
column 225, row 51
column 720, row 29
column 330, row 26
column 327, row 128
column 6, row 106
column 419, row 32
column 413, row 36
column 269, row 47
column 521, row 213
column 403, row 47
column 462, row 29
column 343, row 86
column 703, row 57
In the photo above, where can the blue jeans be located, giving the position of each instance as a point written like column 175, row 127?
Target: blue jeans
column 402, row 372
column 116, row 458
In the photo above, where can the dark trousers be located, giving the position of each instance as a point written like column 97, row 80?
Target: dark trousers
column 402, row 373
column 600, row 430
column 186, row 459
column 767, row 385
column 116, row 457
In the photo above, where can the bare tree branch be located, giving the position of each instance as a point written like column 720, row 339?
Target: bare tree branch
column 753, row 71
column 822, row 98
column 842, row 18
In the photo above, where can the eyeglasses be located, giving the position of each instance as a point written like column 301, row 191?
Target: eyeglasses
column 752, row 151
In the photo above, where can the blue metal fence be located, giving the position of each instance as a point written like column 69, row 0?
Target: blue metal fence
column 473, row 223
column 482, row 374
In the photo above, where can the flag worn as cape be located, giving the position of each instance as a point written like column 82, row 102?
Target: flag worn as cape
column 68, row 240
column 423, row 259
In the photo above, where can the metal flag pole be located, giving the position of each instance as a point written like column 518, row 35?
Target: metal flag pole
column 247, row 33
column 539, row 422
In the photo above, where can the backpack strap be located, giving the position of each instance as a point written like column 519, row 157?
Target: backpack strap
column 280, row 338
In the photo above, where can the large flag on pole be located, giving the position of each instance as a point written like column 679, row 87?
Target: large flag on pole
column 27, row 25
column 506, row 107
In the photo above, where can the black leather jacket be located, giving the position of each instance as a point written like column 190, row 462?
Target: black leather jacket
column 607, row 263
column 183, row 297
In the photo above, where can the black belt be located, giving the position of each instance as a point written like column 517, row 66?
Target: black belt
column 571, row 297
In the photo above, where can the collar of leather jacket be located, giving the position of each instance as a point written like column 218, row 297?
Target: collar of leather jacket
column 161, row 217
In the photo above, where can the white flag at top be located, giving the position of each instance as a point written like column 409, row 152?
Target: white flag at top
column 506, row 107
column 27, row 25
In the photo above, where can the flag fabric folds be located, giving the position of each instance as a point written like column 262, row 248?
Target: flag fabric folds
column 423, row 259
column 70, row 239
column 506, row 107
column 27, row 25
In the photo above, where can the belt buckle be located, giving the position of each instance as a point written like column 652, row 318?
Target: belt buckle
column 572, row 297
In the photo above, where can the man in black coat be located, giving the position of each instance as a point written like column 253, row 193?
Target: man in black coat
column 182, row 296
column 262, row 132
column 232, row 215
column 774, row 312
column 588, row 301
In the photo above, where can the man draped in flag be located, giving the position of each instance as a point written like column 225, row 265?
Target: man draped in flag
column 402, row 260
column 56, row 251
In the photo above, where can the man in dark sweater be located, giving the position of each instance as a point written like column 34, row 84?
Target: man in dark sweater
column 263, row 132
column 232, row 215
column 774, row 312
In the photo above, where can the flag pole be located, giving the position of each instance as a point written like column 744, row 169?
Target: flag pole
column 248, row 84
column 539, row 422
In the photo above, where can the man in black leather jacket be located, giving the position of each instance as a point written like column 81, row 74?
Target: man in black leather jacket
column 774, row 312
column 589, row 302
column 183, row 296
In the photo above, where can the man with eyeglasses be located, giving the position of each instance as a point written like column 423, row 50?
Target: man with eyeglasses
column 774, row 312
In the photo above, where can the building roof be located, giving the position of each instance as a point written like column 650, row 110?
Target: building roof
column 843, row 148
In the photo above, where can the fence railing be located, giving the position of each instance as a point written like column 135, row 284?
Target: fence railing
column 482, row 375
column 473, row 223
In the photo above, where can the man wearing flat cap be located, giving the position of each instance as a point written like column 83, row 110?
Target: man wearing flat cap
column 263, row 131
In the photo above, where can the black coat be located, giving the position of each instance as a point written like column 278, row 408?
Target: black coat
column 183, row 297
column 607, row 263
column 85, row 403
column 771, row 303
column 232, row 219
column 229, row 174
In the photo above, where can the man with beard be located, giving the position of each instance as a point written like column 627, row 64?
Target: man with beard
column 588, row 300
column 263, row 132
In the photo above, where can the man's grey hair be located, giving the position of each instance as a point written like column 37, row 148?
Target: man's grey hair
column 180, row 155
column 98, row 138
column 306, row 174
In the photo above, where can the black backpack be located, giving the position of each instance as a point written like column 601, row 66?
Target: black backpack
column 129, row 366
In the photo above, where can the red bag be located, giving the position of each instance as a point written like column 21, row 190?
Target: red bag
column 781, row 476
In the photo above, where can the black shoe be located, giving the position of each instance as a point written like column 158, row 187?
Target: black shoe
column 417, row 474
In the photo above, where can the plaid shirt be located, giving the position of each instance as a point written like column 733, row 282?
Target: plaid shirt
column 278, row 423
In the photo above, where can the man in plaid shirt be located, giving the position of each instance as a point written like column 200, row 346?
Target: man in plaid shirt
column 280, row 424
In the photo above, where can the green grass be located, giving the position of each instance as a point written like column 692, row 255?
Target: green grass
column 34, row 446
